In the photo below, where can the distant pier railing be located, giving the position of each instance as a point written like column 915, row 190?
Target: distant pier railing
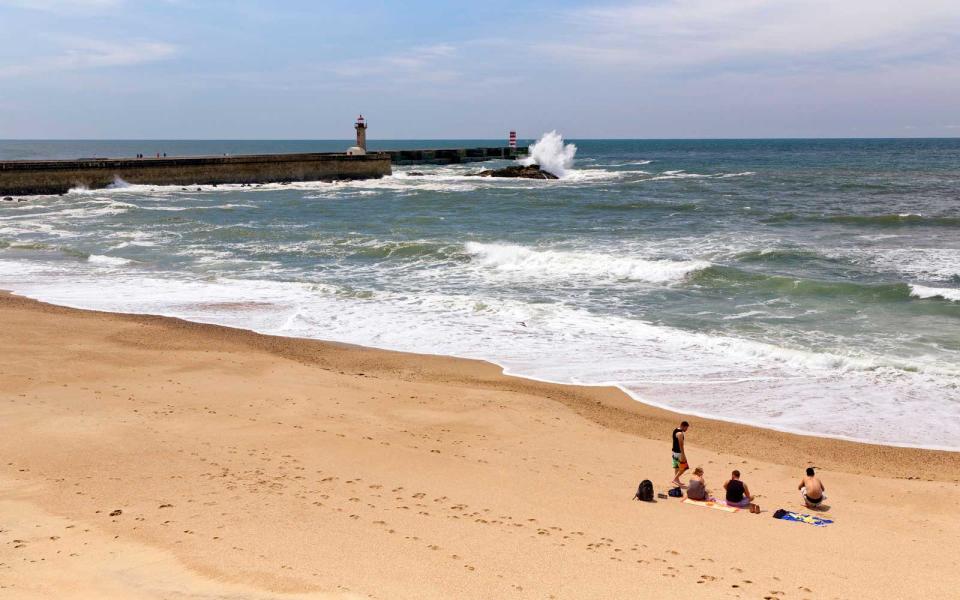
column 446, row 156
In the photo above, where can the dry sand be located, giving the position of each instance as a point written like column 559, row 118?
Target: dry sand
column 245, row 466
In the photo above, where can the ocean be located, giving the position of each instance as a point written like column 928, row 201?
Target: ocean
column 810, row 286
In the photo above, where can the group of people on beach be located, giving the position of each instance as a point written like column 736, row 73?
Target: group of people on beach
column 737, row 494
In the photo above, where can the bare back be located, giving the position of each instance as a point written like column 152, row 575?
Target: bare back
column 814, row 487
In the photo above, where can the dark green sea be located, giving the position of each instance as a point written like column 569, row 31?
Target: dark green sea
column 805, row 285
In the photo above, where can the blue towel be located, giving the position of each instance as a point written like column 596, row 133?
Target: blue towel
column 808, row 519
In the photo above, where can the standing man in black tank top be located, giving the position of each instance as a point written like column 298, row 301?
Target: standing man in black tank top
column 680, row 464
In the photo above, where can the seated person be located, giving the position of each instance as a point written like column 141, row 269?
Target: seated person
column 697, row 489
column 737, row 492
column 812, row 490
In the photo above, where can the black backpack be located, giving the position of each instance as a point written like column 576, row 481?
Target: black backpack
column 645, row 491
column 675, row 492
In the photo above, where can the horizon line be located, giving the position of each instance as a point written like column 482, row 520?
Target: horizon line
column 652, row 139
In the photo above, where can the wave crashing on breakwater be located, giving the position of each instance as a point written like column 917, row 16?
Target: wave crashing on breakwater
column 552, row 154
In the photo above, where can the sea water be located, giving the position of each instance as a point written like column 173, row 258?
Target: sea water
column 805, row 285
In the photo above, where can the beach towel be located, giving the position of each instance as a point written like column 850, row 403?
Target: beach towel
column 800, row 518
column 711, row 504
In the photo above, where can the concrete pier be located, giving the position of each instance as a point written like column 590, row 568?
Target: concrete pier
column 34, row 177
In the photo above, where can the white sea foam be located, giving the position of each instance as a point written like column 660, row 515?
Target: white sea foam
column 921, row 291
column 551, row 154
column 941, row 264
column 535, row 263
column 227, row 206
column 109, row 261
column 682, row 174
column 720, row 376
column 118, row 183
column 746, row 315
column 594, row 175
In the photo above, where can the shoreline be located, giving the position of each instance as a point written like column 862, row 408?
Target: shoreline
column 698, row 415
column 150, row 457
column 618, row 402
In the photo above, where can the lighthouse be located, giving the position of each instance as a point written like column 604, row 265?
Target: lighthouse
column 361, row 127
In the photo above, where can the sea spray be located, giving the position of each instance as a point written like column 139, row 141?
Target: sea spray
column 118, row 183
column 551, row 154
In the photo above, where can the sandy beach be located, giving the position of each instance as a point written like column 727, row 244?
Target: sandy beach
column 147, row 457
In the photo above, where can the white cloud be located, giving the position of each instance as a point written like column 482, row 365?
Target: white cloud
column 704, row 33
column 417, row 61
column 82, row 53
column 433, row 65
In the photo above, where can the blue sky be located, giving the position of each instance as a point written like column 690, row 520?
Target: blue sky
column 443, row 69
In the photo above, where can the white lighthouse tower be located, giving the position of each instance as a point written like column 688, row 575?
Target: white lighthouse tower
column 361, row 147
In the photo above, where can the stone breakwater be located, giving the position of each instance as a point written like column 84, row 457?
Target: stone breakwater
column 34, row 177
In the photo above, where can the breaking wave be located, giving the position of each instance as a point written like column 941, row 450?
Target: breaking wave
column 509, row 258
column 109, row 261
column 920, row 291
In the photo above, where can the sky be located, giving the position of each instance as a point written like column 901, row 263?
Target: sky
column 418, row 69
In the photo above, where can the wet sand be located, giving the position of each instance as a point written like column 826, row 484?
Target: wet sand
column 250, row 466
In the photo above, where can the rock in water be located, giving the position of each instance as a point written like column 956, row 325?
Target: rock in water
column 524, row 172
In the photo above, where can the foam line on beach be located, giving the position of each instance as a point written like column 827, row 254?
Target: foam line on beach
column 461, row 326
